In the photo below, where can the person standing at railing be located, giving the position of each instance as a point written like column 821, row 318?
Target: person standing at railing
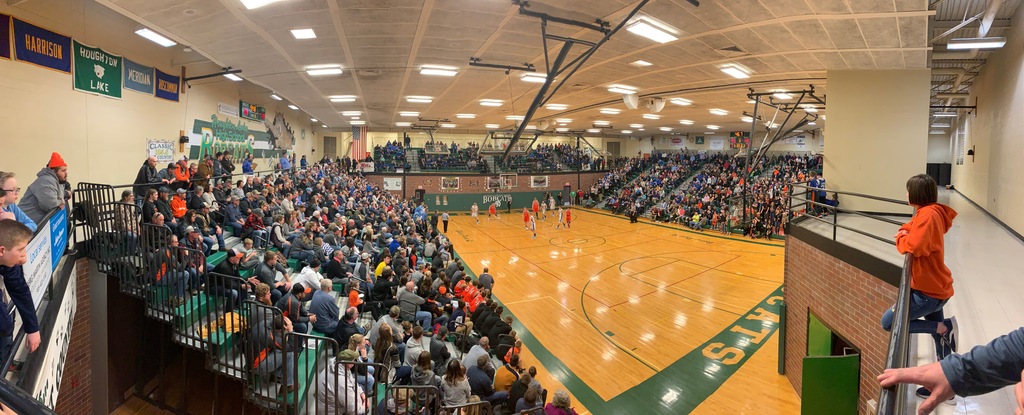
column 146, row 179
column 14, row 238
column 48, row 191
column 8, row 197
column 931, row 282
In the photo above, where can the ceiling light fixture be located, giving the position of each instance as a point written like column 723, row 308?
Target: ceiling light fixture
column 313, row 119
column 641, row 64
column 491, row 102
column 602, row 123
column 622, row 89
column 812, row 123
column 686, row 122
column 351, row 113
column 557, row 107
column 610, row 111
column 713, row 127
column 976, row 43
column 447, row 125
column 747, row 119
column 155, row 37
column 255, row 4
column 593, row 130
column 562, row 129
column 810, row 109
column 342, row 98
column 636, row 126
column 563, row 120
column 718, row 111
column 652, row 116
column 403, row 124
column 735, row 71
column 656, row 31
column 666, row 129
column 321, row 70
column 233, row 77
column 419, row 99
column 275, row 97
column 492, row 126
column 301, row 34
column 944, row 114
column 936, row 132
column 681, row 101
column 324, row 125
column 438, row 70
column 534, row 78
column 470, row 116
column 293, row 107
column 627, row 131
column 357, row 122
column 514, row 117
column 940, row 125
column 531, row 127
column 408, row 114
column 355, row 118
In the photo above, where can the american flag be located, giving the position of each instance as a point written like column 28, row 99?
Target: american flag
column 359, row 142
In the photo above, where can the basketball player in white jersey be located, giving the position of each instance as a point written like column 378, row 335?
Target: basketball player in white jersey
column 533, row 225
column 561, row 217
column 474, row 211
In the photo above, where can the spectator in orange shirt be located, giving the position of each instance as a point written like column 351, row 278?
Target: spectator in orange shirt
column 181, row 174
column 178, row 204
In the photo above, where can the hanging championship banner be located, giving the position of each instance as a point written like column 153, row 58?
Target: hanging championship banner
column 138, row 77
column 41, row 47
column 96, row 71
column 5, row 36
column 167, row 86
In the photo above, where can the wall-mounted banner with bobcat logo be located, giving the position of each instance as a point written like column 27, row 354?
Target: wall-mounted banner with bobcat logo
column 96, row 71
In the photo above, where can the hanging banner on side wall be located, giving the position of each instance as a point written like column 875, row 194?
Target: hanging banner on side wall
column 41, row 47
column 699, row 140
column 717, row 144
column 538, row 181
column 167, row 86
column 162, row 150
column 5, row 36
column 138, row 77
column 392, row 183
column 96, row 71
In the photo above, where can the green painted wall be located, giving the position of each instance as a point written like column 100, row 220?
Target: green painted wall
column 819, row 337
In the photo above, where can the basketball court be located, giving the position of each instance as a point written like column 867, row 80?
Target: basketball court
column 641, row 317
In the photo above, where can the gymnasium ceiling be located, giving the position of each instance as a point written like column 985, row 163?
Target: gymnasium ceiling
column 382, row 44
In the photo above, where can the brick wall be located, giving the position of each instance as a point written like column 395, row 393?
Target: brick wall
column 478, row 183
column 75, row 396
column 846, row 299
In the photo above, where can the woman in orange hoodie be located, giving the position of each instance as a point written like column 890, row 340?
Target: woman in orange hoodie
column 931, row 282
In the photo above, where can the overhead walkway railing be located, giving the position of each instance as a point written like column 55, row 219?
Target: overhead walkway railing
column 805, row 207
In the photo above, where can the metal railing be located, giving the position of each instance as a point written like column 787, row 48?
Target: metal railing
column 892, row 400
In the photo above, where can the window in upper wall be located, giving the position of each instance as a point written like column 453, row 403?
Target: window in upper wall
column 960, row 137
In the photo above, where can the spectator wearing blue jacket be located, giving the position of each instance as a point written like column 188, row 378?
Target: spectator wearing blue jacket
column 14, row 238
column 325, row 308
column 286, row 165
column 9, row 209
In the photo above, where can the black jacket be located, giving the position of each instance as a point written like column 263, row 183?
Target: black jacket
column 145, row 180
column 17, row 287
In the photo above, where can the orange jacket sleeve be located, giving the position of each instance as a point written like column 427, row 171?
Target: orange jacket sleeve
column 924, row 235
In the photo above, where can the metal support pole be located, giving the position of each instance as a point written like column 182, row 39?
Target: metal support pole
column 538, row 99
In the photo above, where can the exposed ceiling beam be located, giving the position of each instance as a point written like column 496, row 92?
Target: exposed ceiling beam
column 949, row 24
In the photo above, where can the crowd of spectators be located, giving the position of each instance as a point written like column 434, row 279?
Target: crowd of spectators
column 664, row 173
column 455, row 158
column 390, row 157
column 553, row 157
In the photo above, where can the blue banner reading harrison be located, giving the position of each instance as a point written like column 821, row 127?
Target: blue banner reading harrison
column 42, row 47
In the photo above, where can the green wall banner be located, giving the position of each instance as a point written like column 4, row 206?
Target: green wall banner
column 97, row 71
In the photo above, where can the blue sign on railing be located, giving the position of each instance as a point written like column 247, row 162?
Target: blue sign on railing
column 44, row 253
column 58, row 237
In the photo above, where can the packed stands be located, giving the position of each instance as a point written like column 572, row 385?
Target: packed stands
column 389, row 157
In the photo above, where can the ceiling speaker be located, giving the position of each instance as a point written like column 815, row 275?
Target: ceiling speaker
column 631, row 100
column 655, row 105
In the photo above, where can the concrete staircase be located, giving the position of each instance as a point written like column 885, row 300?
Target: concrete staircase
column 492, row 164
column 412, row 156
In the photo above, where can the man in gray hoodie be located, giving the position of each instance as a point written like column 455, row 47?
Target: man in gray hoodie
column 47, row 192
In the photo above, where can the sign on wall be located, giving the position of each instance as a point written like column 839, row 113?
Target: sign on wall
column 5, row 36
column 47, row 385
column 41, row 47
column 138, row 77
column 497, row 199
column 163, row 150
column 365, row 166
column 717, row 144
column 698, row 139
column 449, row 183
column 167, row 86
column 227, row 109
column 392, row 183
column 96, row 71
column 538, row 181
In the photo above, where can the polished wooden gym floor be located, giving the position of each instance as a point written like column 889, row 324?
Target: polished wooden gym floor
column 639, row 317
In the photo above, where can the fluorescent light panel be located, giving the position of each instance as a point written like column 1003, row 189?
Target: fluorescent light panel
column 622, row 89
column 746, row 119
column 593, row 130
column 408, row 114
column 610, row 111
column 977, row 43
column 403, row 124
column 735, row 71
column 652, row 116
column 275, row 97
column 641, row 64
column 322, row 70
column 255, row 4
column 491, row 102
column 940, row 125
column 718, row 111
column 492, row 126
column 563, row 120
column 602, row 123
column 419, row 99
column 562, row 129
column 944, row 114
column 155, row 37
column 557, row 107
column 293, row 107
column 514, row 117
column 636, row 126
column 680, row 101
column 469, row 116
column 531, row 127
column 936, row 132
column 342, row 98
column 627, row 131
column 351, row 113
column 438, row 70
column 233, row 77
column 534, row 78
column 713, row 127
column 665, row 128
column 686, row 122
column 657, row 32
column 301, row 34
column 324, row 125
column 357, row 122
column 447, row 125
column 313, row 119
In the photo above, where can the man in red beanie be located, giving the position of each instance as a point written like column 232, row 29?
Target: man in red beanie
column 48, row 191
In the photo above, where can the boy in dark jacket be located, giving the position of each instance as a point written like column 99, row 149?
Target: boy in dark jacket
column 14, row 238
